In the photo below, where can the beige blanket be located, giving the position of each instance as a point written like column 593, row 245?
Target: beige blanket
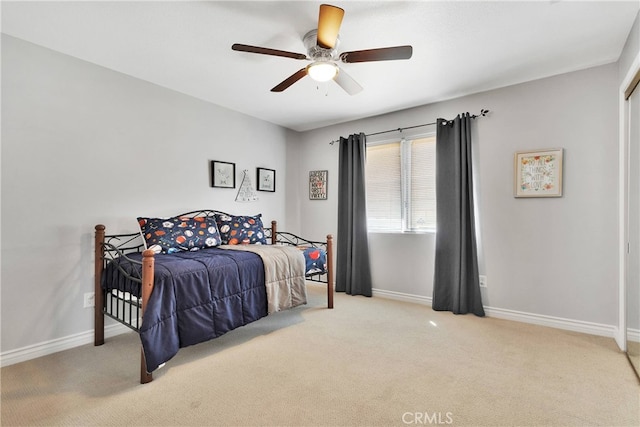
column 283, row 274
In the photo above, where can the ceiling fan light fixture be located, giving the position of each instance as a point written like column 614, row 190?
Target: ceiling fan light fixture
column 322, row 71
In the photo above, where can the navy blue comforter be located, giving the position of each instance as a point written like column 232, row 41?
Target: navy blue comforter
column 197, row 296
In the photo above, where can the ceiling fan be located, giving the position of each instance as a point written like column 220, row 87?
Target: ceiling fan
column 321, row 45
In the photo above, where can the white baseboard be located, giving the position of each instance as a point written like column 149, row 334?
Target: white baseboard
column 23, row 354
column 49, row 347
column 518, row 316
column 382, row 293
column 553, row 322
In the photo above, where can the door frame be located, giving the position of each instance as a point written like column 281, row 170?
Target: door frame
column 626, row 88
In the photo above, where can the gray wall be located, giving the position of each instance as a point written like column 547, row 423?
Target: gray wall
column 83, row 145
column 552, row 257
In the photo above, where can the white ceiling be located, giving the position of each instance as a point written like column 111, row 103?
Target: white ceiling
column 458, row 48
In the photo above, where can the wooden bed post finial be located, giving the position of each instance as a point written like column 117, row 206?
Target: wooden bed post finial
column 274, row 226
column 148, row 263
column 98, row 315
column 329, row 271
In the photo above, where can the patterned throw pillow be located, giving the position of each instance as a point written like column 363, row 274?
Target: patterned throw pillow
column 241, row 230
column 315, row 259
column 169, row 235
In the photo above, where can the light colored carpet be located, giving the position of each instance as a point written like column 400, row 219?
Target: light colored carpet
column 368, row 362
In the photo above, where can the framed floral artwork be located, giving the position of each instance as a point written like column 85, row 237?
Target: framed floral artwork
column 538, row 173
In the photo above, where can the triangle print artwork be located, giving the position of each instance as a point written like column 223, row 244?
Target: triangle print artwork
column 246, row 193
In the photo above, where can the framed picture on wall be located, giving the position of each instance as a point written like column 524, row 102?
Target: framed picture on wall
column 223, row 174
column 538, row 173
column 266, row 179
column 318, row 185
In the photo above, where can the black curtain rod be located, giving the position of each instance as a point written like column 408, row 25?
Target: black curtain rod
column 483, row 113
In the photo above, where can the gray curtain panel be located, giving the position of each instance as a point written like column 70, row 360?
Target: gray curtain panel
column 456, row 284
column 353, row 270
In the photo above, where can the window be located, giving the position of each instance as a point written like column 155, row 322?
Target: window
column 400, row 185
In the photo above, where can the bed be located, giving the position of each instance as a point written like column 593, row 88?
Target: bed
column 190, row 278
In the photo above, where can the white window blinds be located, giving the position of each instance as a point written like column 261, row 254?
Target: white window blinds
column 400, row 184
column 422, row 215
column 384, row 187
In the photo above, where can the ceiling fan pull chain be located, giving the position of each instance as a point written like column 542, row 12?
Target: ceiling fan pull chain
column 323, row 85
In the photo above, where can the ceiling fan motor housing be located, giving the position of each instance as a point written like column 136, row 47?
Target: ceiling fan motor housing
column 317, row 53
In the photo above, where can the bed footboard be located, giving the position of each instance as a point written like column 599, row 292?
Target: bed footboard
column 120, row 304
column 286, row 238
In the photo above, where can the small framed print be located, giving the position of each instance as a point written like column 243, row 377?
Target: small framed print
column 266, row 179
column 223, row 174
column 318, row 185
column 538, row 173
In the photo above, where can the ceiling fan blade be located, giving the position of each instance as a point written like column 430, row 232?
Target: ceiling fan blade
column 290, row 80
column 382, row 54
column 346, row 82
column 329, row 22
column 267, row 51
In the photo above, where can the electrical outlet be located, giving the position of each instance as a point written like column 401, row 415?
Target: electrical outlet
column 483, row 281
column 89, row 299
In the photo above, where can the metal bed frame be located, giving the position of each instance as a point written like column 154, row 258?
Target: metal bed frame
column 128, row 309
